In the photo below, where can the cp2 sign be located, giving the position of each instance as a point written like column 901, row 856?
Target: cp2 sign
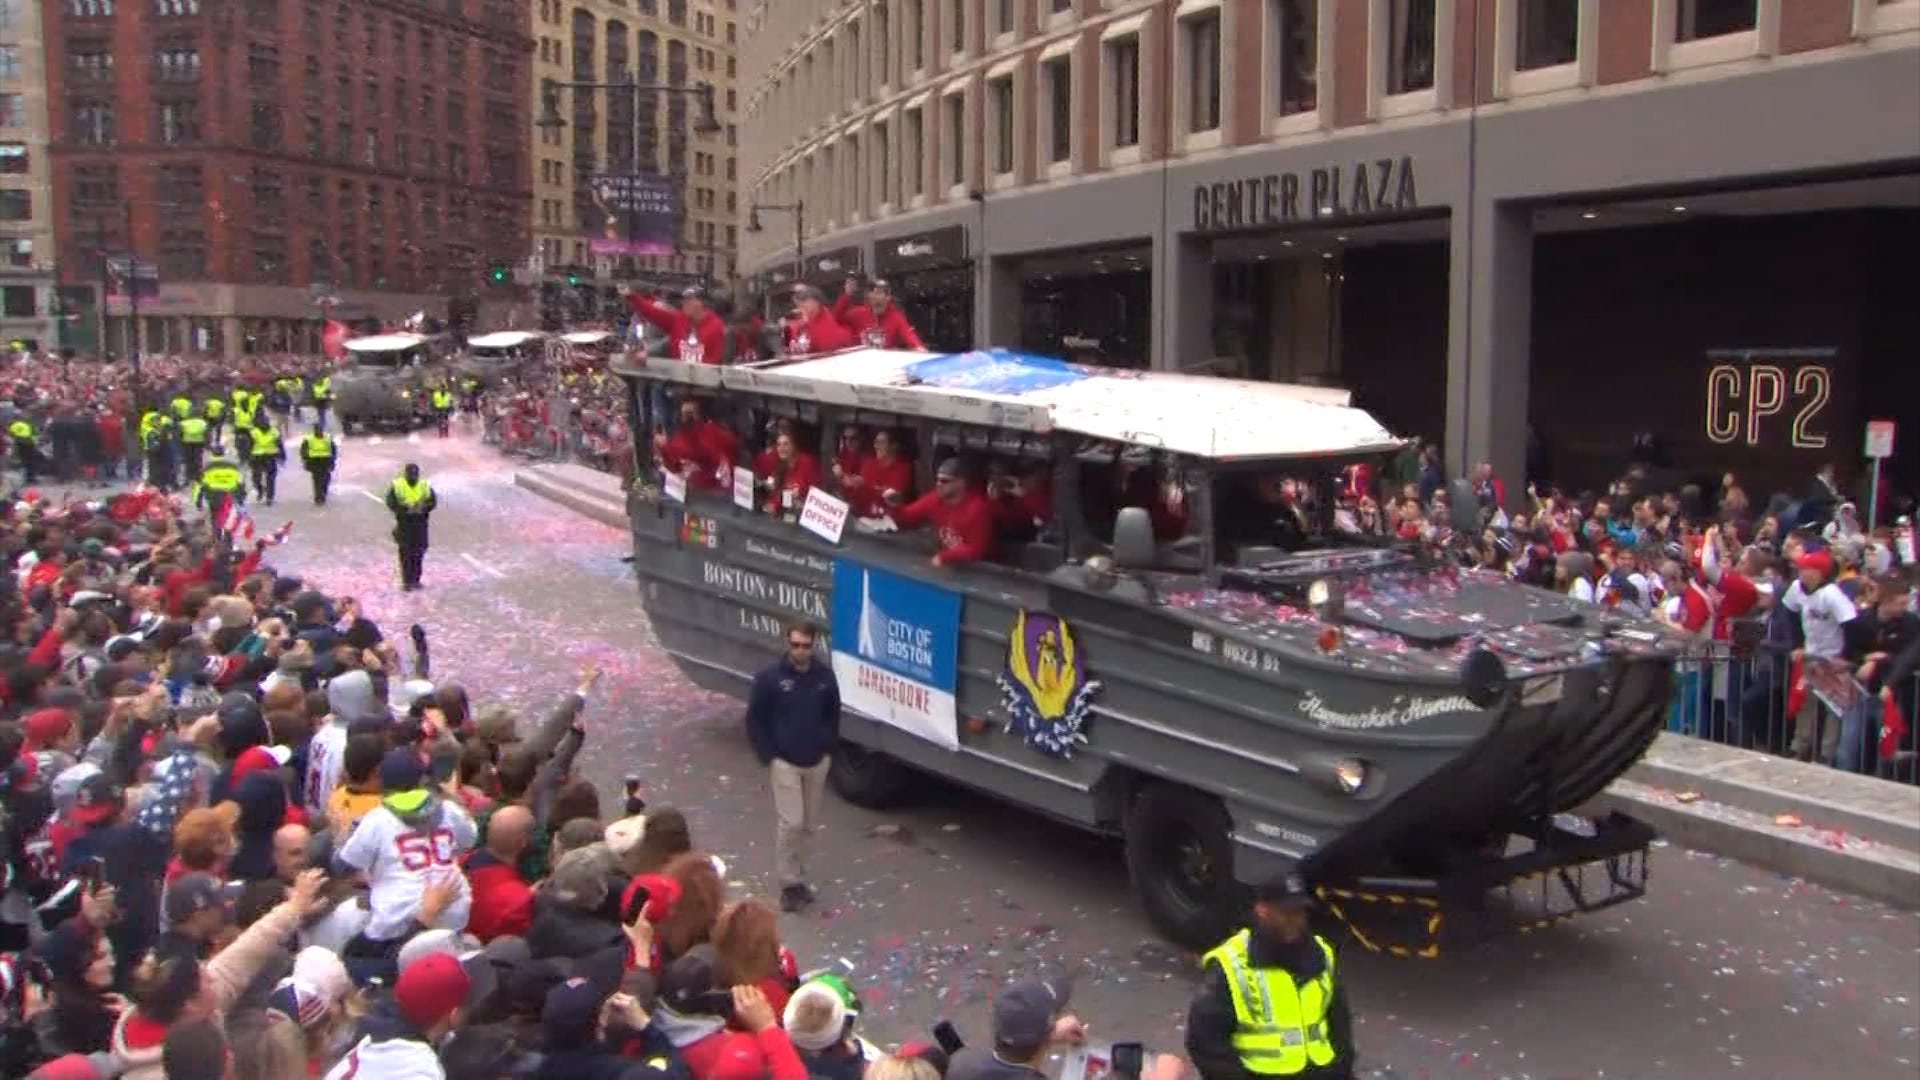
column 1760, row 403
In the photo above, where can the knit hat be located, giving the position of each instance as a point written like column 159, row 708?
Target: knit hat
column 828, row 1003
column 44, row 727
column 580, row 878
column 322, row 970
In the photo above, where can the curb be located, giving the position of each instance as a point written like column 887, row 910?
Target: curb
column 594, row 505
column 1830, row 857
column 1886, row 829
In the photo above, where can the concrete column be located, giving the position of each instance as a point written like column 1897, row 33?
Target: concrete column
column 232, row 337
column 1182, row 326
column 996, row 308
column 1490, row 305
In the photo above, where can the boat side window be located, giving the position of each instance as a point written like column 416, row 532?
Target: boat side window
column 1261, row 514
column 873, row 467
column 786, row 466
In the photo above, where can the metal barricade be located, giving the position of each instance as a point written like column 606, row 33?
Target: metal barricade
column 1753, row 695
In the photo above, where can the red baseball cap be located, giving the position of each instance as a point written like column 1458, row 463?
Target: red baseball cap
column 45, row 726
column 252, row 760
column 431, row 988
column 1811, row 560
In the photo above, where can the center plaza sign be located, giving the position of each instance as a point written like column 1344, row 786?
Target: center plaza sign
column 1381, row 186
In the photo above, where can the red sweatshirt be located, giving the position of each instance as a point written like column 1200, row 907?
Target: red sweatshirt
column 502, row 901
column 889, row 330
column 173, row 590
column 868, row 498
column 965, row 528
column 801, row 477
column 702, row 343
column 706, row 446
column 822, row 334
column 779, row 1059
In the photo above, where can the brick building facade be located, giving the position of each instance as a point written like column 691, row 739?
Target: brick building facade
column 267, row 154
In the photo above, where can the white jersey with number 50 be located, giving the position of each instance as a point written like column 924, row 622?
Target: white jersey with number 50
column 401, row 860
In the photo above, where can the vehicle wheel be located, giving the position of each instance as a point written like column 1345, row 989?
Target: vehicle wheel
column 867, row 778
column 1180, row 857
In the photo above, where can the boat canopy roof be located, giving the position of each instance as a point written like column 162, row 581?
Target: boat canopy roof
column 587, row 337
column 384, row 343
column 1199, row 416
column 503, row 339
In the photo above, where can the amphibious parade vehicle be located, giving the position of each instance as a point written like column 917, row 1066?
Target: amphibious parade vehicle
column 1194, row 650
column 383, row 384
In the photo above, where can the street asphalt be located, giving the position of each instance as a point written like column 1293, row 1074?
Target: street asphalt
column 1723, row 971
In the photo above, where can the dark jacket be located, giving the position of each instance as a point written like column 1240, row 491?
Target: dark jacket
column 562, row 930
column 836, row 1062
column 134, row 866
column 1211, row 1023
column 643, row 1055
column 794, row 715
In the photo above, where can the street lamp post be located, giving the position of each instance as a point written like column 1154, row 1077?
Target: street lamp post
column 704, row 123
column 133, row 297
column 798, row 209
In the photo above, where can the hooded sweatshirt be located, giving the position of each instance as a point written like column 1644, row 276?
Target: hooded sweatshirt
column 263, row 809
column 349, row 698
column 392, row 1049
column 411, row 839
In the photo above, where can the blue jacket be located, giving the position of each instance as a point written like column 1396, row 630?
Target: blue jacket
column 794, row 715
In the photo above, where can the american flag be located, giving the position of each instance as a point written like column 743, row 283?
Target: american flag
column 237, row 523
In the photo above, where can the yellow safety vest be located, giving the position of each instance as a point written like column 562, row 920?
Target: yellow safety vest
column 410, row 496
column 242, row 415
column 1282, row 1025
column 316, row 446
column 182, row 406
column 215, row 407
column 266, row 442
column 21, row 429
column 221, row 476
column 442, row 399
column 193, row 430
column 322, row 389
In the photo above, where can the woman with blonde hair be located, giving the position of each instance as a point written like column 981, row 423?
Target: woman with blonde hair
column 898, row 1067
column 746, row 939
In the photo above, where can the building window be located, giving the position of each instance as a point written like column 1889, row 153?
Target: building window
column 92, row 120
column 1296, row 36
column 915, row 31
column 883, row 162
column 1123, row 74
column 1410, row 45
column 14, row 158
column 177, row 63
column 176, row 7
column 9, row 13
column 179, row 121
column 1201, row 52
column 18, row 302
column 1698, row 19
column 16, row 204
column 1547, row 33
column 9, row 62
column 913, row 156
column 1056, row 81
column 957, row 28
column 1002, row 16
column 1000, row 102
column 954, row 144
column 677, row 12
column 264, row 127
column 20, row 253
column 92, row 63
column 882, row 39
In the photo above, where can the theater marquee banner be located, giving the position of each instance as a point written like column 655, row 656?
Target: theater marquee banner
column 636, row 215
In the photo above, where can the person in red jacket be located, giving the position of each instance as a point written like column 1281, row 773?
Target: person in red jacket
column 699, row 448
column 879, row 322
column 113, row 442
column 694, row 333
column 690, row 1009
column 962, row 517
column 789, row 476
column 816, row 330
column 502, row 899
column 884, row 478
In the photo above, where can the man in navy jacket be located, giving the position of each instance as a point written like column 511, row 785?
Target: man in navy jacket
column 793, row 718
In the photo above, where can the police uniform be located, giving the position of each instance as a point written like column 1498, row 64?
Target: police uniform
column 26, row 445
column 443, row 408
column 321, row 391
column 219, row 481
column 1268, row 1007
column 193, row 442
column 264, row 454
column 157, row 438
column 319, row 453
column 411, row 501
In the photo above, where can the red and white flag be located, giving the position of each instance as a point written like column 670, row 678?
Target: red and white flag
column 236, row 522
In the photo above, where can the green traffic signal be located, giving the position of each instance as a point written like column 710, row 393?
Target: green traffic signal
column 573, row 279
column 499, row 274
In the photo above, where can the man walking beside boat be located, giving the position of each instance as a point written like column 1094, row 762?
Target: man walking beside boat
column 793, row 720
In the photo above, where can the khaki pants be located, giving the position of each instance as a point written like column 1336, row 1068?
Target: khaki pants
column 796, row 807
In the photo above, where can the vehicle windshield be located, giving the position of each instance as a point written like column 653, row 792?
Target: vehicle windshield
column 1264, row 514
column 387, row 361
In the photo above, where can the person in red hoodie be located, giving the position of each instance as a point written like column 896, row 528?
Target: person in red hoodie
column 816, row 330
column 692, row 1012
column 883, row 479
column 700, row 448
column 113, row 441
column 879, row 322
column 694, row 333
column 788, row 477
column 502, row 899
column 962, row 517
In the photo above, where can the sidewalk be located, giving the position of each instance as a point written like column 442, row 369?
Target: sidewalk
column 1854, row 833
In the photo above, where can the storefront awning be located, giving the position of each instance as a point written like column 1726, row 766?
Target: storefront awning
column 503, row 339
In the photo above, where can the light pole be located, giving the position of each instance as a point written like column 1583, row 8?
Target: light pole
column 798, row 208
column 704, row 123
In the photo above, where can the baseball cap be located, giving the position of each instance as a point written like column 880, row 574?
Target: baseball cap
column 434, row 943
column 1023, row 1014
column 1288, row 890
column 805, row 292
column 950, row 467
column 431, row 989
column 46, row 725
column 402, row 770
column 97, row 799
column 66, row 785
column 1816, row 560
column 191, row 894
column 571, row 1012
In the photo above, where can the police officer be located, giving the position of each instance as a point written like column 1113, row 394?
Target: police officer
column 182, row 406
column 443, row 408
column 245, row 405
column 1271, row 1002
column 193, row 442
column 160, row 443
column 264, row 455
column 220, row 481
column 216, row 409
column 26, row 445
column 411, row 500
column 321, row 390
column 318, row 453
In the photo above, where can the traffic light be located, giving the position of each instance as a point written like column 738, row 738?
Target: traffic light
column 498, row 273
column 573, row 279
